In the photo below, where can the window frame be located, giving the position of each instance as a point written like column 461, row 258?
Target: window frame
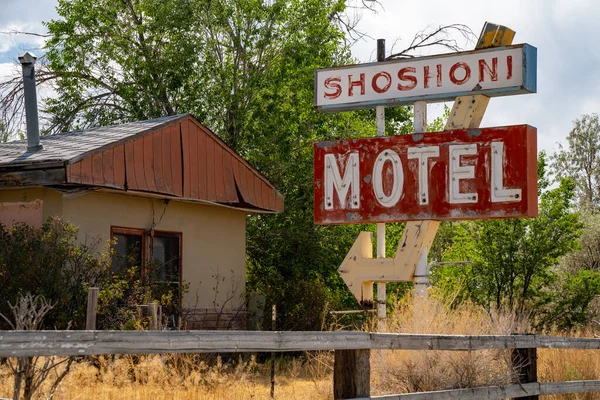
column 147, row 249
column 153, row 233
column 121, row 230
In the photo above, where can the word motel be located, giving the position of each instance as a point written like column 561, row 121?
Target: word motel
column 462, row 174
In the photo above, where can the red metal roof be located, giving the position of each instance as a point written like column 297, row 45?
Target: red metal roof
column 180, row 158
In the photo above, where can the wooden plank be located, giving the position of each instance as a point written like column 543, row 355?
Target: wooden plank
column 483, row 393
column 524, row 364
column 501, row 392
column 240, row 179
column 249, row 179
column 229, row 179
column 119, row 166
column 194, row 156
column 351, row 374
column 74, row 173
column 148, row 163
column 203, row 167
column 131, row 342
column 108, row 167
column 153, row 311
column 166, row 168
column 211, row 192
column 220, row 194
column 186, row 145
column 158, row 150
column 131, row 176
column 92, row 309
column 177, row 170
column 97, row 169
column 87, row 176
column 53, row 176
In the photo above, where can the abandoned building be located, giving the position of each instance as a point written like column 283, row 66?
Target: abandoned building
column 168, row 187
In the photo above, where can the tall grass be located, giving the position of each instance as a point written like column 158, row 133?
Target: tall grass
column 310, row 377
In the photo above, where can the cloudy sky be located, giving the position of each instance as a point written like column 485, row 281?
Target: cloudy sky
column 564, row 31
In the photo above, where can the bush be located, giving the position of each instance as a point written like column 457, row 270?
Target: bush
column 52, row 263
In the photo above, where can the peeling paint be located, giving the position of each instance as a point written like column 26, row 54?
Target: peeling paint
column 428, row 196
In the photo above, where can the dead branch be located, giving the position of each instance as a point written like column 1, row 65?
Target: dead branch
column 442, row 36
column 15, row 32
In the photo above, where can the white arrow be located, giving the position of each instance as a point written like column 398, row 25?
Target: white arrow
column 359, row 269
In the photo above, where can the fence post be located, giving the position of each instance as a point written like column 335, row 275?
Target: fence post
column 92, row 309
column 153, row 311
column 352, row 374
column 524, row 363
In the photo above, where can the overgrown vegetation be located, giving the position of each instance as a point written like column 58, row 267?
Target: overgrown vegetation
column 310, row 376
column 50, row 262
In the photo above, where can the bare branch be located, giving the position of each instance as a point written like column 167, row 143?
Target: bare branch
column 15, row 32
column 441, row 36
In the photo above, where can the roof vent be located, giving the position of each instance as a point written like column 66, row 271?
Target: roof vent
column 27, row 61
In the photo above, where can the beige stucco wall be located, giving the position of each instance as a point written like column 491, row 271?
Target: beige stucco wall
column 51, row 199
column 214, row 238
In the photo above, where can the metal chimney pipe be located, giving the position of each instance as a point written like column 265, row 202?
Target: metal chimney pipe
column 27, row 61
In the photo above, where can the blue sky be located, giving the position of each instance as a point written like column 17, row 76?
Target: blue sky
column 564, row 31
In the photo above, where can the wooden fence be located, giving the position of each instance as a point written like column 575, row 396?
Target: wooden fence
column 352, row 353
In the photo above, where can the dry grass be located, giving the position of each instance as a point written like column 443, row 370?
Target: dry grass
column 182, row 377
column 310, row 377
column 415, row 371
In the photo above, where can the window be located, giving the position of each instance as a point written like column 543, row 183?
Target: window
column 166, row 270
column 162, row 268
column 166, row 258
column 129, row 249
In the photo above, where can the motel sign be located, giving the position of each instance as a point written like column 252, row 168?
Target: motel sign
column 454, row 175
column 462, row 173
column 492, row 72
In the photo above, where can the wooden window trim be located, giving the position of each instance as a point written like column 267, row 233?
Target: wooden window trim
column 172, row 233
column 121, row 230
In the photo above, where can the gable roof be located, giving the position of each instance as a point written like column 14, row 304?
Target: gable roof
column 174, row 156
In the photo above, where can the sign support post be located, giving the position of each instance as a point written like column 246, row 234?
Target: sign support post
column 424, row 179
column 420, row 126
column 381, row 286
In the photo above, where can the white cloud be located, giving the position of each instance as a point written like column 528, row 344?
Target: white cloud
column 564, row 32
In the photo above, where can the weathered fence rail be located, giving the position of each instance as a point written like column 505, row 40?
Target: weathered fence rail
column 352, row 351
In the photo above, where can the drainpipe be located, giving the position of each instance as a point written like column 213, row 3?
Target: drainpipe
column 27, row 61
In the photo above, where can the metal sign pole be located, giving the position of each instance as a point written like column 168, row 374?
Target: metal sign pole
column 381, row 286
column 420, row 282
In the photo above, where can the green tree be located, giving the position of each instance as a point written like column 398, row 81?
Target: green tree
column 580, row 161
column 514, row 260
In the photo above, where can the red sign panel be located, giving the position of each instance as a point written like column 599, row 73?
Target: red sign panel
column 454, row 175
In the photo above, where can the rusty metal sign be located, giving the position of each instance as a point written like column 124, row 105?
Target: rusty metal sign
column 453, row 175
column 492, row 72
